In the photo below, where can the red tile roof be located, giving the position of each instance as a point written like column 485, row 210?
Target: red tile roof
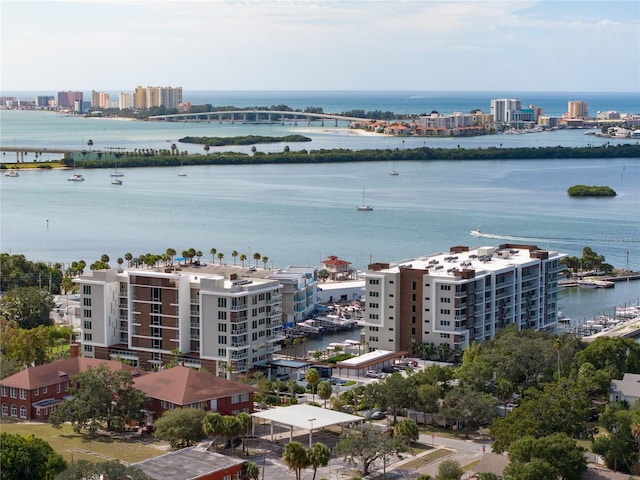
column 333, row 260
column 51, row 373
column 182, row 386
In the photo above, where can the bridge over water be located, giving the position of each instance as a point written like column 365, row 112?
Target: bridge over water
column 258, row 116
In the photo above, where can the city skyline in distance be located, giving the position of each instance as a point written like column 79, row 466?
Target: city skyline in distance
column 579, row 46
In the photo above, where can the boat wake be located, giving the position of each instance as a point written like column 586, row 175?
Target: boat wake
column 566, row 241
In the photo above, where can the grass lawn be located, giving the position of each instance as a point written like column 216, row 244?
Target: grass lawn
column 94, row 448
column 427, row 459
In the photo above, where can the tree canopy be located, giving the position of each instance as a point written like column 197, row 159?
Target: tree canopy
column 101, row 397
column 28, row 457
column 181, row 427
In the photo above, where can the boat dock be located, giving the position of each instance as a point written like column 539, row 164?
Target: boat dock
column 625, row 323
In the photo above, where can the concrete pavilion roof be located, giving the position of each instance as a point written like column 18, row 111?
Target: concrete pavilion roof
column 299, row 416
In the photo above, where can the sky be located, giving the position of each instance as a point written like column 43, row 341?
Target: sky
column 412, row 45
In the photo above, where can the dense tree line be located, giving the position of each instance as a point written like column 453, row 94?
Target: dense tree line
column 168, row 158
column 556, row 388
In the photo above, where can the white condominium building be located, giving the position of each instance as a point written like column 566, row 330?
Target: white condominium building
column 221, row 322
column 503, row 109
column 460, row 297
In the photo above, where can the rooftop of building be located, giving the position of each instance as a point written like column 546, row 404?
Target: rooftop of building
column 183, row 386
column 481, row 260
column 192, row 462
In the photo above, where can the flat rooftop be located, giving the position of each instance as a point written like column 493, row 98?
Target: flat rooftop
column 481, row 259
column 192, row 462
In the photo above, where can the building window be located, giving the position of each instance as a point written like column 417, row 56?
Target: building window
column 44, row 389
column 87, row 325
column 58, row 388
column 222, row 303
column 14, row 411
column 86, row 289
column 86, row 313
column 374, row 294
column 88, row 348
column 156, row 294
column 5, row 410
column 373, row 305
column 23, row 394
column 222, row 327
column 13, row 392
column 86, row 301
column 222, row 315
column 4, row 391
column 37, row 412
column 374, row 281
column 222, row 352
column 23, row 412
column 88, row 337
column 36, row 392
column 222, row 339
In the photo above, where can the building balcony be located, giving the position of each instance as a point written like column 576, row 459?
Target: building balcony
column 240, row 331
column 238, row 308
column 242, row 355
column 239, row 344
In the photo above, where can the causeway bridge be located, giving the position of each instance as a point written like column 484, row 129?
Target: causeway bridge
column 258, row 116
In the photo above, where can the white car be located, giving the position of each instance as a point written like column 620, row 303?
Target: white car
column 373, row 374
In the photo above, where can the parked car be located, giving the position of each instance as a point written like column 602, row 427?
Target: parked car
column 283, row 377
column 373, row 374
column 389, row 369
column 378, row 415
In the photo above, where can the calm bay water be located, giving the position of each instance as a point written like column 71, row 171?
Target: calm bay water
column 300, row 214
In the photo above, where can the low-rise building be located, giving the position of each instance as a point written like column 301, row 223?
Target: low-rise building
column 34, row 393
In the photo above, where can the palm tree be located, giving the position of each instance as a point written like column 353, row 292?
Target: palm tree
column 265, row 260
column 318, row 456
column 120, row 261
column 90, row 144
column 198, row 254
column 243, row 258
column 256, row 257
column 172, row 253
column 251, row 471
column 234, row 254
column 128, row 257
column 213, row 252
column 213, row 426
column 245, row 424
column 220, row 257
column 295, row 457
column 206, row 149
column 313, row 378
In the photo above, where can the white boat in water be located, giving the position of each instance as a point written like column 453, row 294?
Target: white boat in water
column 116, row 181
column 476, row 233
column 364, row 207
column 12, row 173
column 76, row 177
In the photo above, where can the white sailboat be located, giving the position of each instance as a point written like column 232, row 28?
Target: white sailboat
column 76, row 177
column 181, row 173
column 115, row 172
column 364, row 207
column 393, row 169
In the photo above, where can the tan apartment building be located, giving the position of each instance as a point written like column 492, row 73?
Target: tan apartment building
column 222, row 322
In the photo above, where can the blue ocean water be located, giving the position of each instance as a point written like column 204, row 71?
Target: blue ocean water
column 300, row 214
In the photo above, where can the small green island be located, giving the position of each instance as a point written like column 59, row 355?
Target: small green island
column 243, row 140
column 591, row 191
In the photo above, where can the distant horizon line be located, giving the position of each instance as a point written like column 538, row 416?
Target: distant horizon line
column 3, row 92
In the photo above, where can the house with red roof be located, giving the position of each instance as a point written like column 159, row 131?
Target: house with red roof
column 185, row 387
column 338, row 269
column 35, row 392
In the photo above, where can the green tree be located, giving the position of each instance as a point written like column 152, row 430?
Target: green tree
column 318, row 456
column 246, row 423
column 616, row 355
column 449, row 470
column 313, row 378
column 618, row 446
column 213, row 426
column 250, row 471
column 397, row 392
column 181, row 427
column 220, row 257
column 100, row 396
column 232, row 428
column 27, row 306
column 323, row 274
column 27, row 346
column 324, row 391
column 234, row 254
column 213, row 252
column 367, row 444
column 172, row 253
column 257, row 257
column 28, row 457
column 295, row 457
column 407, row 429
column 128, row 257
column 243, row 258
column 557, row 450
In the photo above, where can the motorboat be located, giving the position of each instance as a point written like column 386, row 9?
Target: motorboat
column 116, row 181
column 476, row 233
column 12, row 173
column 76, row 177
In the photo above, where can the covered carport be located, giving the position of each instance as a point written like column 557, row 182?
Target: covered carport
column 304, row 417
